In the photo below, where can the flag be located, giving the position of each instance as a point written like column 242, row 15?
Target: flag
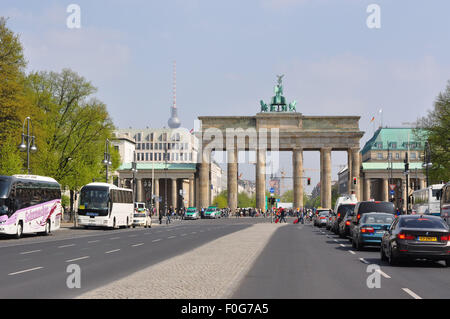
column 192, row 130
column 373, row 119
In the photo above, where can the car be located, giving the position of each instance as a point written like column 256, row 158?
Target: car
column 212, row 212
column 365, row 207
column 321, row 217
column 344, row 225
column 340, row 214
column 416, row 237
column 370, row 229
column 330, row 220
column 141, row 216
column 192, row 213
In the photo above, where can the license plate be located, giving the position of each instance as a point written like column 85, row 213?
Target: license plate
column 427, row 238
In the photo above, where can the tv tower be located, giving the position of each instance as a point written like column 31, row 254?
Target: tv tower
column 174, row 121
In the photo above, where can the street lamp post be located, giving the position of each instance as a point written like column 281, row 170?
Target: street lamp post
column 107, row 158
column 30, row 146
column 426, row 160
column 165, row 183
column 134, row 171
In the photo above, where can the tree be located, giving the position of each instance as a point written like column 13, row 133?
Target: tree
column 76, row 127
column 221, row 200
column 437, row 131
column 14, row 106
column 10, row 161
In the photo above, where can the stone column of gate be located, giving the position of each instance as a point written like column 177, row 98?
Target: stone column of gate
column 139, row 188
column 260, row 178
column 297, row 164
column 174, row 202
column 204, row 179
column 404, row 195
column 385, row 190
column 191, row 192
column 421, row 183
column 367, row 182
column 232, row 178
column 355, row 172
column 326, row 179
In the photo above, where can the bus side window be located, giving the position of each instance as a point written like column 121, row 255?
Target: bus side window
column 438, row 194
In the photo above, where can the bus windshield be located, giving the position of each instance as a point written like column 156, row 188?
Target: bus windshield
column 3, row 207
column 94, row 198
column 4, row 187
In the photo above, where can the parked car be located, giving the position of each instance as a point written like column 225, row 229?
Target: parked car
column 370, row 229
column 330, row 220
column 344, row 225
column 366, row 207
column 141, row 216
column 416, row 237
column 192, row 213
column 321, row 217
column 340, row 214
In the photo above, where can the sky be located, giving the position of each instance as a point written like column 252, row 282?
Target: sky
column 228, row 54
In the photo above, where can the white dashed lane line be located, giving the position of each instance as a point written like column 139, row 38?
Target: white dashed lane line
column 383, row 274
column 137, row 245
column 30, row 252
column 112, row 251
column 171, row 237
column 23, row 271
column 93, row 241
column 154, row 241
column 76, row 259
column 411, row 293
column 64, row 246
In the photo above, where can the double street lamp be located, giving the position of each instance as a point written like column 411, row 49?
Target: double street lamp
column 107, row 158
column 28, row 140
column 427, row 160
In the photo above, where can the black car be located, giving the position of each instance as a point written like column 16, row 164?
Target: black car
column 341, row 211
column 416, row 237
column 344, row 225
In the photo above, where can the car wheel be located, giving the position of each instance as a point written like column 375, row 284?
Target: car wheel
column 447, row 263
column 392, row 259
column 354, row 244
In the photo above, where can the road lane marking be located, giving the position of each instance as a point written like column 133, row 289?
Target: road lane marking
column 112, row 251
column 132, row 236
column 383, row 274
column 80, row 258
column 364, row 261
column 93, row 241
column 136, row 245
column 335, row 240
column 30, row 252
column 64, row 246
column 154, row 241
column 23, row 271
column 171, row 237
column 114, row 238
column 412, row 294
column 352, row 252
column 342, row 245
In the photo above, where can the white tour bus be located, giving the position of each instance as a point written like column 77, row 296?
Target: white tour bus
column 426, row 200
column 105, row 205
column 29, row 204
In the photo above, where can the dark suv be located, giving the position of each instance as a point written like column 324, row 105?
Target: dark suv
column 340, row 214
column 362, row 208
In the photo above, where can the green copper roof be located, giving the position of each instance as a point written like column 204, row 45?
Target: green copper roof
column 160, row 166
column 396, row 166
column 394, row 139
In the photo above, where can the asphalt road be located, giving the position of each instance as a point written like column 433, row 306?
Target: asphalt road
column 36, row 267
column 300, row 261
column 308, row 262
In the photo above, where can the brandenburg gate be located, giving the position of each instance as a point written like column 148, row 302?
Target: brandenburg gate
column 278, row 127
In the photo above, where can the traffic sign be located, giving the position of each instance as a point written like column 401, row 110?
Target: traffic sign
column 392, row 186
column 392, row 192
column 272, row 190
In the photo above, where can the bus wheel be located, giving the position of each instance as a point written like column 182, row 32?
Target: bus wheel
column 47, row 228
column 19, row 230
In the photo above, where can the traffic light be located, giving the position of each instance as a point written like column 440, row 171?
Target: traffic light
column 309, row 180
column 354, row 180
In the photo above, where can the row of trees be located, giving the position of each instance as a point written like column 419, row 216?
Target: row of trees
column 70, row 124
column 437, row 127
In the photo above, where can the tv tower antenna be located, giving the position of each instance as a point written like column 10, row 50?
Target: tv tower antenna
column 174, row 121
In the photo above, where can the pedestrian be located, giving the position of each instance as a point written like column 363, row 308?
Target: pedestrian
column 283, row 215
column 160, row 217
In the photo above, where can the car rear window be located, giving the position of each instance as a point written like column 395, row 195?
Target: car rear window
column 343, row 209
column 422, row 223
column 324, row 213
column 380, row 207
column 377, row 218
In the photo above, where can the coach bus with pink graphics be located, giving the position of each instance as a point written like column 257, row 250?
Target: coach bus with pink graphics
column 29, row 204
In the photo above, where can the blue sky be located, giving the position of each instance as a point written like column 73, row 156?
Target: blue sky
column 228, row 53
